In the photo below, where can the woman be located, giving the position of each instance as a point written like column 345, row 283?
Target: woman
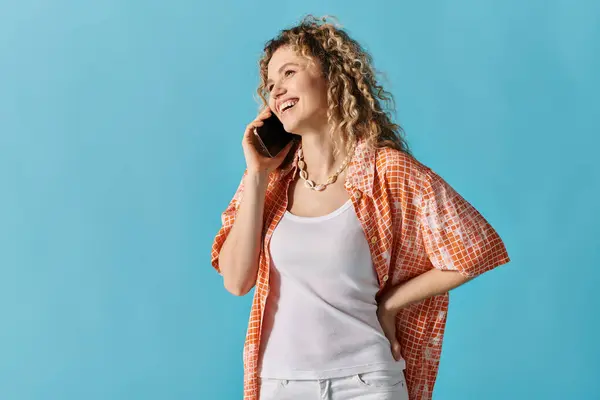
column 351, row 242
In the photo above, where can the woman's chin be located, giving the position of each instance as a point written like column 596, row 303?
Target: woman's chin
column 290, row 124
column 296, row 123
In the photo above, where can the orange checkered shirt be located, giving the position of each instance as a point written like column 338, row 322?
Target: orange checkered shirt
column 413, row 221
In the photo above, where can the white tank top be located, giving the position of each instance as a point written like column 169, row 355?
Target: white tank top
column 320, row 318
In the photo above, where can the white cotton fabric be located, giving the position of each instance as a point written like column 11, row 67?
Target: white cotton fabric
column 320, row 317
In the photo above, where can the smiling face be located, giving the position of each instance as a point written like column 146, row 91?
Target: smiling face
column 292, row 80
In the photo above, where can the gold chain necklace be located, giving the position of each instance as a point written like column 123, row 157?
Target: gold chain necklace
column 321, row 186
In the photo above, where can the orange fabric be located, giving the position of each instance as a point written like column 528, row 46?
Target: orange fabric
column 413, row 221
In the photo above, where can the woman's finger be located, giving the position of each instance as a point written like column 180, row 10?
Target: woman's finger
column 284, row 151
column 396, row 349
column 252, row 125
column 263, row 116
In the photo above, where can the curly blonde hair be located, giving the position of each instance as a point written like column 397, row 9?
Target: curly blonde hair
column 354, row 97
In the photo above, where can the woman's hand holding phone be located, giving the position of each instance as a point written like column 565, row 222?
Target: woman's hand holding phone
column 255, row 162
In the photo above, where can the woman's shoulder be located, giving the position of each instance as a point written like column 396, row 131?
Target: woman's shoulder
column 393, row 163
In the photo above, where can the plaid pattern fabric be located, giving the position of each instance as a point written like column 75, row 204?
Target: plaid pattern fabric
column 413, row 221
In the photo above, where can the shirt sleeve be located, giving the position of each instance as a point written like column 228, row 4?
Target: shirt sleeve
column 455, row 235
column 227, row 220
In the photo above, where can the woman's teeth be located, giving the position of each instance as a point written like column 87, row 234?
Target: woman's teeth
column 288, row 104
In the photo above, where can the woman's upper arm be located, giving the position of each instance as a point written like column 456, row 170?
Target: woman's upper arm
column 227, row 220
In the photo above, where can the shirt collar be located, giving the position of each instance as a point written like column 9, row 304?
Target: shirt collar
column 361, row 168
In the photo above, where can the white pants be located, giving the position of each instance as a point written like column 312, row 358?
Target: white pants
column 377, row 385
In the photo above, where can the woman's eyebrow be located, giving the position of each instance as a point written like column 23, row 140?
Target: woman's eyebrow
column 280, row 68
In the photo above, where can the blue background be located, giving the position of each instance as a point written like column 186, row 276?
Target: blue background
column 120, row 145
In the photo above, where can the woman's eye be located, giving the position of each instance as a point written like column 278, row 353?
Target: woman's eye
column 270, row 87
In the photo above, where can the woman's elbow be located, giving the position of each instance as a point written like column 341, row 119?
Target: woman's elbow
column 236, row 289
column 234, row 285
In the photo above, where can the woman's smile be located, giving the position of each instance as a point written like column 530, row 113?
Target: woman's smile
column 286, row 108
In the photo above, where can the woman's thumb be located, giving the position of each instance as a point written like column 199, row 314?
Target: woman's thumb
column 284, row 151
column 396, row 350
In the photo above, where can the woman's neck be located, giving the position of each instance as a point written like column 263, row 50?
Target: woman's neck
column 318, row 155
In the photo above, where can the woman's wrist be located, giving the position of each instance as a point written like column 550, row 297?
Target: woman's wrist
column 257, row 178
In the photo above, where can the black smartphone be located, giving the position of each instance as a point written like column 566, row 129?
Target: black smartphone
column 271, row 137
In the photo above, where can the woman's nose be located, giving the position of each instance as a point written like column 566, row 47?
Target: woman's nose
column 277, row 91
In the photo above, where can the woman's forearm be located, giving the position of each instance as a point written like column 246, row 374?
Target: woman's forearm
column 421, row 287
column 238, row 259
